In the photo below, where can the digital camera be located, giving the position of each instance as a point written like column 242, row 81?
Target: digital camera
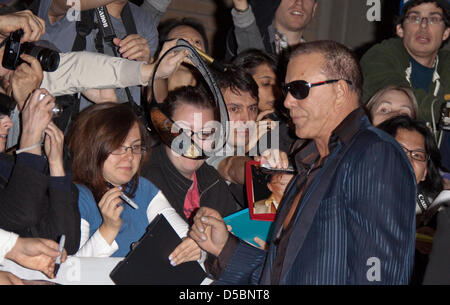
column 48, row 58
column 57, row 110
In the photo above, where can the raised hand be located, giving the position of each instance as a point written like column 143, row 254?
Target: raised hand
column 110, row 207
column 54, row 144
column 134, row 47
column 209, row 230
column 33, row 27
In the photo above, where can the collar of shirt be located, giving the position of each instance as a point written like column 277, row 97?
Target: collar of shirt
column 279, row 39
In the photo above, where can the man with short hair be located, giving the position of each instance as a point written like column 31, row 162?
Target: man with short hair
column 348, row 216
column 414, row 59
column 271, row 25
column 240, row 93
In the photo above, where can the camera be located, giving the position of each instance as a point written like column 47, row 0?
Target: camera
column 445, row 114
column 48, row 58
column 57, row 110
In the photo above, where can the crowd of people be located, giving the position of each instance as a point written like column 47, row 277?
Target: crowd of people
column 366, row 137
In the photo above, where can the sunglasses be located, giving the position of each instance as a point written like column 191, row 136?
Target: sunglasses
column 299, row 89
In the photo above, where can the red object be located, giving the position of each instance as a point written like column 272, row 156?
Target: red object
column 250, row 195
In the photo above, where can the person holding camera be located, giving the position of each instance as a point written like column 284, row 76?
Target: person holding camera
column 32, row 202
column 134, row 32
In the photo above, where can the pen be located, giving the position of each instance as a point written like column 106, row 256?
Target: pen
column 129, row 201
column 125, row 198
column 62, row 241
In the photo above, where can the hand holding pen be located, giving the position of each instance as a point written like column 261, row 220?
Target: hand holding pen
column 125, row 198
column 62, row 242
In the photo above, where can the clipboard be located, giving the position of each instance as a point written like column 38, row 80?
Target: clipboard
column 148, row 263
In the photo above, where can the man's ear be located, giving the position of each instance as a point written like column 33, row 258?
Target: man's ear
column 314, row 9
column 342, row 91
column 446, row 34
column 399, row 30
column 269, row 186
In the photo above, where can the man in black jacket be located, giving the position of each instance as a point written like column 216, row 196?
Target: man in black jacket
column 33, row 203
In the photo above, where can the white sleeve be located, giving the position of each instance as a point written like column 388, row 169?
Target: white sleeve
column 7, row 242
column 160, row 205
column 79, row 71
column 96, row 245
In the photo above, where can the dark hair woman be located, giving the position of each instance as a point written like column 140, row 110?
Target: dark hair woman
column 108, row 144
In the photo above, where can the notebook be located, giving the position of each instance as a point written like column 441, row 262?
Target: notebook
column 148, row 264
column 246, row 228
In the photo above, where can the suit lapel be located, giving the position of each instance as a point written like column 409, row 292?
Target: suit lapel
column 308, row 208
column 289, row 197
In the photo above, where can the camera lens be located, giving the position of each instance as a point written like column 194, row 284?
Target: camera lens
column 57, row 111
column 48, row 58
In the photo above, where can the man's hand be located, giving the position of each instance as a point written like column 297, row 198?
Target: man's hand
column 134, row 47
column 36, row 253
column 26, row 78
column 172, row 61
column 209, row 231
column 33, row 27
column 275, row 157
column 240, row 5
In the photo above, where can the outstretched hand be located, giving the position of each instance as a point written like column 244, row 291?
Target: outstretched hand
column 209, row 230
column 36, row 253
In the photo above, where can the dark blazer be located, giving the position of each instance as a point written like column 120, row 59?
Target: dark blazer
column 355, row 224
column 32, row 204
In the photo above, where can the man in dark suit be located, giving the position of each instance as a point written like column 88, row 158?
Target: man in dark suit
column 348, row 216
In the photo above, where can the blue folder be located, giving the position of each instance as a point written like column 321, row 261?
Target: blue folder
column 246, row 228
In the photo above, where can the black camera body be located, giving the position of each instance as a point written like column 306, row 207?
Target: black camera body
column 445, row 116
column 48, row 58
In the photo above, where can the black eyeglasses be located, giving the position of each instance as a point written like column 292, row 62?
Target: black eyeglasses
column 204, row 134
column 135, row 149
column 417, row 154
column 299, row 89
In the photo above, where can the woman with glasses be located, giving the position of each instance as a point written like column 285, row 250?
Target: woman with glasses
column 108, row 144
column 189, row 183
column 418, row 143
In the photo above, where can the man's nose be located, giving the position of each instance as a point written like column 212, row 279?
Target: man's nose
column 289, row 101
